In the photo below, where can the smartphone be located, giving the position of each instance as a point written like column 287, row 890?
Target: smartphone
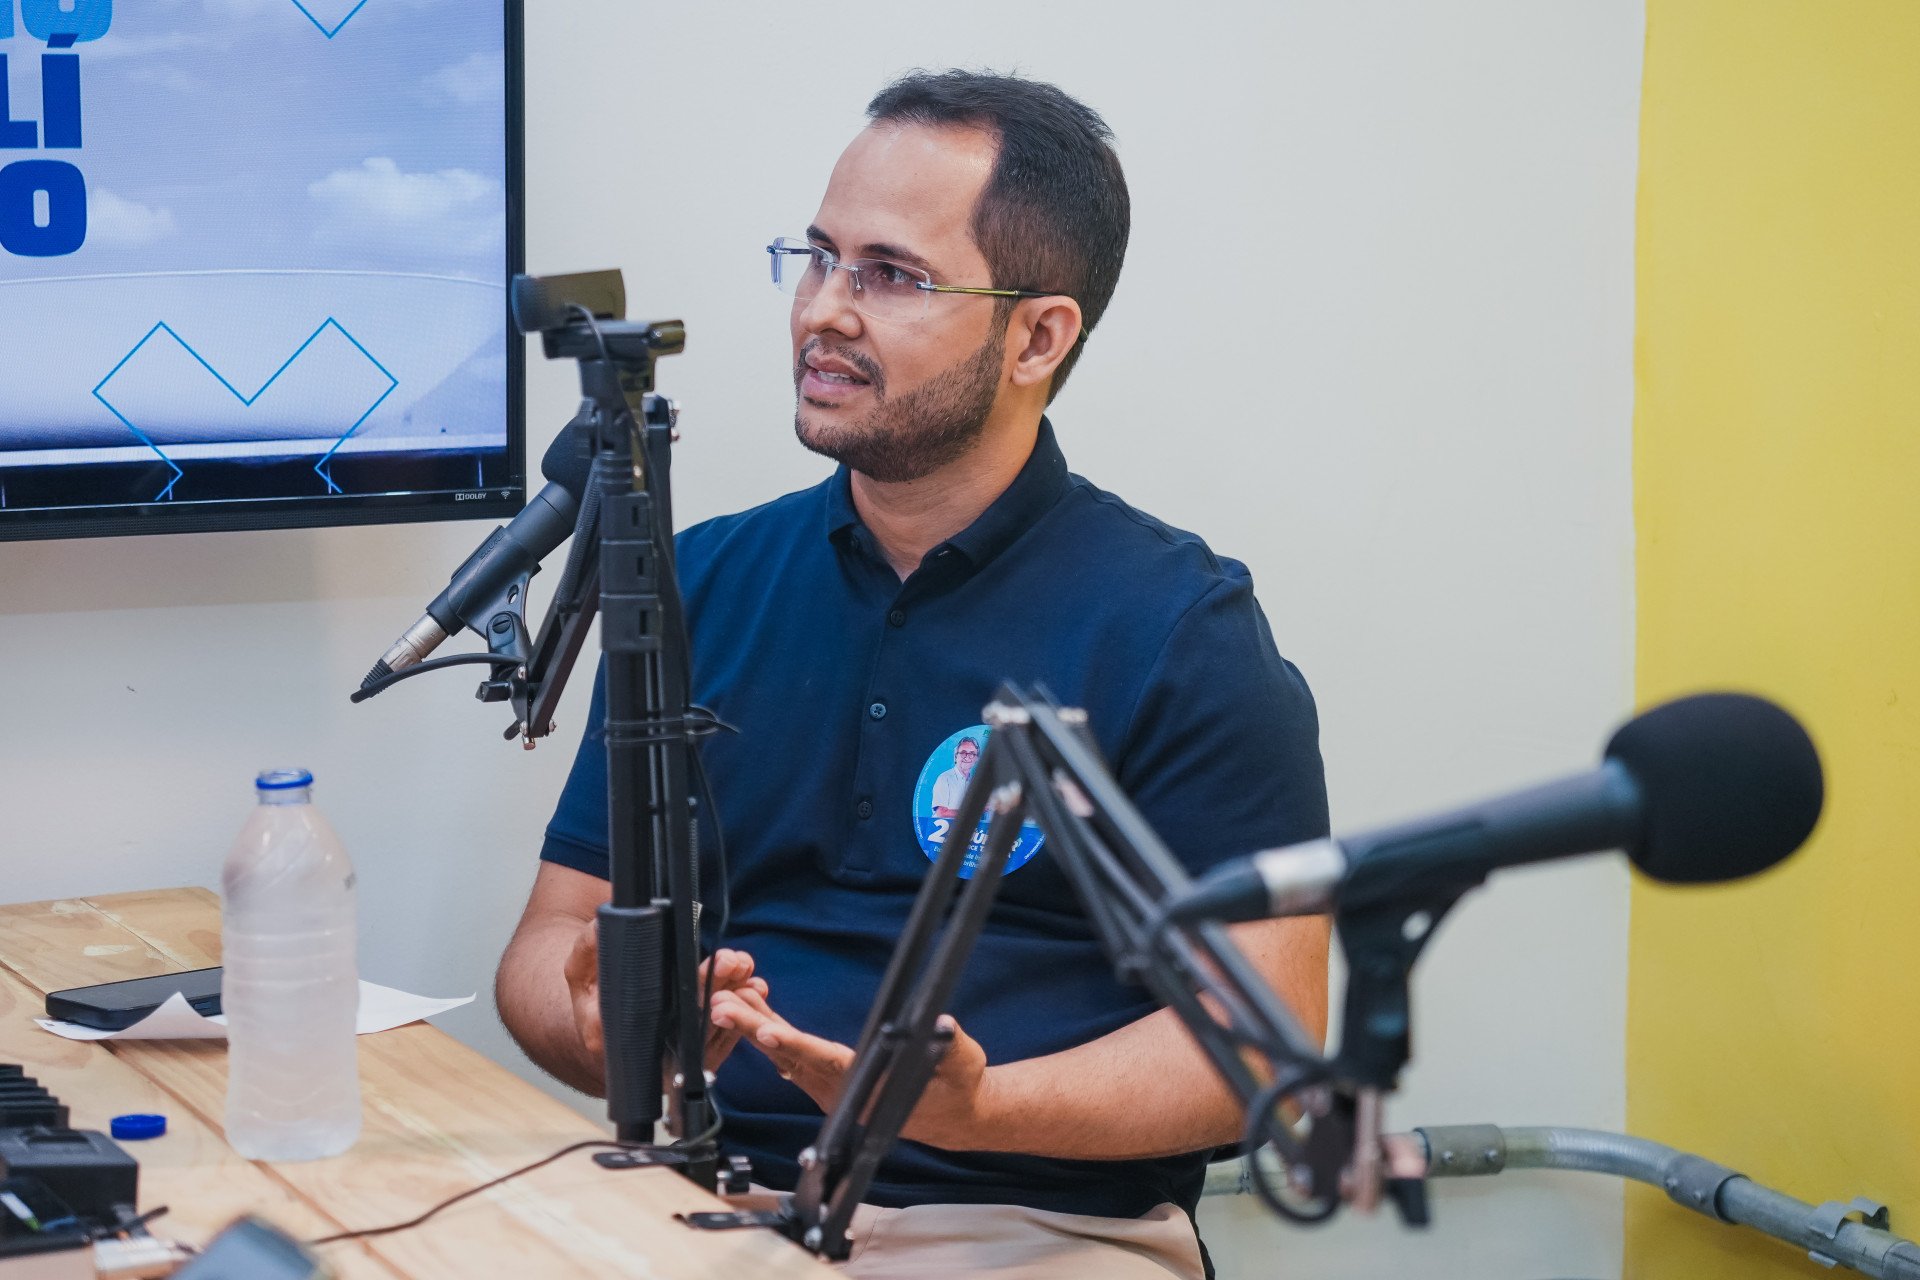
column 115, row 1006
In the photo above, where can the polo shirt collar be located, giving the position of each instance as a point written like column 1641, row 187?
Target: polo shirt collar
column 1033, row 492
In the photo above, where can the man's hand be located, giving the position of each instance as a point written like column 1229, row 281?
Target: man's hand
column 583, row 984
column 732, row 971
column 953, row 1112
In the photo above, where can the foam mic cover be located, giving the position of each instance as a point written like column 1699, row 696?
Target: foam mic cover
column 1730, row 784
column 566, row 465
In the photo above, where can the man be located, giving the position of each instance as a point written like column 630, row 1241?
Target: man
column 968, row 240
column 951, row 786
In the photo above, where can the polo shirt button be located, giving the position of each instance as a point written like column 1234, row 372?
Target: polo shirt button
column 878, row 711
column 897, row 618
column 864, row 809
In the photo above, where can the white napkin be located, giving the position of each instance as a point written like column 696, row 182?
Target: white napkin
column 381, row 1008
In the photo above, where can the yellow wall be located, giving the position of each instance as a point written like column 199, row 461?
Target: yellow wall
column 1775, row 1026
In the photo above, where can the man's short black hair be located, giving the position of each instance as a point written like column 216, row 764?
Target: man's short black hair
column 1054, row 212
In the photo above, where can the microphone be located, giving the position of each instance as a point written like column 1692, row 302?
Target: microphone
column 509, row 552
column 1704, row 789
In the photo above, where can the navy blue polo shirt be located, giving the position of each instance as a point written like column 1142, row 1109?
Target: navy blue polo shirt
column 848, row 687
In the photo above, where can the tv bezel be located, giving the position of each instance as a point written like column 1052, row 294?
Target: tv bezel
column 238, row 515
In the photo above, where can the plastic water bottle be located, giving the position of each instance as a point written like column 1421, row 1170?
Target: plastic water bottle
column 291, row 988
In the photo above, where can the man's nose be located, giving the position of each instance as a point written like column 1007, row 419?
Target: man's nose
column 832, row 309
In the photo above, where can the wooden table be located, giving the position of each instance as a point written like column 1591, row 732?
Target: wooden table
column 439, row 1118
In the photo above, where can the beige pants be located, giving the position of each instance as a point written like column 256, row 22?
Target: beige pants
column 1009, row 1242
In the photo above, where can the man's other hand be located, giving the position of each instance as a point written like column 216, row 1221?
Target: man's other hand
column 732, row 972
column 952, row 1113
column 583, row 984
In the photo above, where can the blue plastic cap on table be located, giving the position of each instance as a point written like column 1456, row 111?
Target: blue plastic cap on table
column 137, row 1127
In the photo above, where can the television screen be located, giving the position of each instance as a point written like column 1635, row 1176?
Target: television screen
column 253, row 263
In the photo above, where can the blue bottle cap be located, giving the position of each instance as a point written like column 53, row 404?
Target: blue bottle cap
column 283, row 779
column 137, row 1127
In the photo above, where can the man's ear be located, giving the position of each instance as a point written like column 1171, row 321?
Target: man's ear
column 1045, row 330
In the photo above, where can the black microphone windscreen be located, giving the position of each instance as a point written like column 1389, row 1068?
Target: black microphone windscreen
column 1731, row 784
column 566, row 465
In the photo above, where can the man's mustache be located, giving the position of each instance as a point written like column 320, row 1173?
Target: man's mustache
column 862, row 364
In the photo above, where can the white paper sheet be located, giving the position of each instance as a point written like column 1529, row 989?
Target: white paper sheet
column 381, row 1009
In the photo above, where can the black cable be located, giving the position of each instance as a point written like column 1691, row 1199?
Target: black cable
column 698, row 722
column 593, row 327
column 719, row 932
column 431, row 664
column 474, row 1191
column 725, row 911
column 698, row 768
column 135, row 1223
column 712, row 1132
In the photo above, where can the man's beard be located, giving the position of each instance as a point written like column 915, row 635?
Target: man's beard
column 924, row 430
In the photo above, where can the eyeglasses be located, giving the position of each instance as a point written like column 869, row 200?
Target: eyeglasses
column 883, row 290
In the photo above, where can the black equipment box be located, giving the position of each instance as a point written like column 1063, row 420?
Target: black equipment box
column 83, row 1167
column 24, row 1102
column 35, row 1221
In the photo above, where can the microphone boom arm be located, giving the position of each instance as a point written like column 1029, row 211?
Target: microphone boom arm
column 1041, row 765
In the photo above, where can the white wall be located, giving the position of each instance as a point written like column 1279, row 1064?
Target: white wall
column 1373, row 338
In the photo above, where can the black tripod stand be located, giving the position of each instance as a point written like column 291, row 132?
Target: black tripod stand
column 621, row 567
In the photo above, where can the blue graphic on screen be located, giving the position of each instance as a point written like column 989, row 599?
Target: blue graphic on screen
column 331, row 31
column 251, row 230
column 326, row 384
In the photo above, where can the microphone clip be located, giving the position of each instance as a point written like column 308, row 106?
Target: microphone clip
column 1382, row 940
column 508, row 640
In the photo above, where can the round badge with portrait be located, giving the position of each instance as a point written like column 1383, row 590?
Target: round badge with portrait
column 936, row 802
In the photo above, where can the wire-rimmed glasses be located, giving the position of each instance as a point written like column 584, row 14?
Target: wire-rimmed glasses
column 883, row 290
